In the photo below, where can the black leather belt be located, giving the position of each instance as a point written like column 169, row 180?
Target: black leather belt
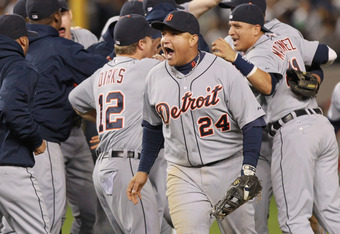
column 121, row 154
column 273, row 127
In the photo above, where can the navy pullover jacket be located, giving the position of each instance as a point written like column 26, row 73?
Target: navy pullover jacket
column 18, row 131
column 105, row 47
column 61, row 64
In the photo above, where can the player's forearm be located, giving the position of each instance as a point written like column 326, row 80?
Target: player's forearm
column 252, row 139
column 152, row 143
column 199, row 7
column 261, row 81
column 90, row 116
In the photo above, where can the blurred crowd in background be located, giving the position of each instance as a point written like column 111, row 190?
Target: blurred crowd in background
column 316, row 19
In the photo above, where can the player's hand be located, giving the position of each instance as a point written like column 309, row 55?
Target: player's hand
column 41, row 149
column 95, row 141
column 156, row 45
column 159, row 57
column 135, row 186
column 222, row 49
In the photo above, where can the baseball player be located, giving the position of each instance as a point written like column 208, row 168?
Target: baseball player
column 61, row 63
column 205, row 109
column 334, row 108
column 113, row 96
column 302, row 152
column 79, row 165
column 21, row 200
column 279, row 28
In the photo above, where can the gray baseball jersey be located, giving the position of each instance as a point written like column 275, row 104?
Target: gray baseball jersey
column 304, row 146
column 202, row 115
column 185, row 105
column 116, row 92
column 285, row 52
column 83, row 36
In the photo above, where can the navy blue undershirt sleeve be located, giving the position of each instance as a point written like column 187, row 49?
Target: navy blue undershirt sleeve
column 275, row 78
column 316, row 69
column 252, row 139
column 321, row 54
column 152, row 143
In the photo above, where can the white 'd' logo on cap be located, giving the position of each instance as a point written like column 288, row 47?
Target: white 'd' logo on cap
column 230, row 16
column 35, row 17
column 118, row 42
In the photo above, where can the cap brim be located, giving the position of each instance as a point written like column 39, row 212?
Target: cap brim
column 158, row 25
column 227, row 4
column 32, row 33
column 180, row 7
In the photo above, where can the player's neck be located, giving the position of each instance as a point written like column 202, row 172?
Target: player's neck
column 134, row 56
column 190, row 66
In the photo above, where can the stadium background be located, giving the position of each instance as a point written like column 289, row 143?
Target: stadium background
column 316, row 19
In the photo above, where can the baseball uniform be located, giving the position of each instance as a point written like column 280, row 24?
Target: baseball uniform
column 21, row 200
column 304, row 151
column 263, row 166
column 202, row 122
column 61, row 63
column 116, row 92
column 80, row 192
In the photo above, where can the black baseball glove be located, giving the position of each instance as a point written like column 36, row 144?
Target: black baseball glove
column 303, row 84
column 243, row 189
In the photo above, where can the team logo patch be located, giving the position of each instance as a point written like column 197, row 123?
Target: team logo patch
column 169, row 18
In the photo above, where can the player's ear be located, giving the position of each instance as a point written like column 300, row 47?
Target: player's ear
column 257, row 29
column 193, row 40
column 57, row 19
column 23, row 42
column 71, row 14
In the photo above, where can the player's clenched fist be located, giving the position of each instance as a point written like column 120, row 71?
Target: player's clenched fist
column 222, row 49
column 135, row 186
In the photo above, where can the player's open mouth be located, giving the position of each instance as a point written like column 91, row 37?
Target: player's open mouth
column 62, row 32
column 235, row 41
column 168, row 53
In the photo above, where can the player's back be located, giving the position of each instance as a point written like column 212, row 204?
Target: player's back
column 118, row 91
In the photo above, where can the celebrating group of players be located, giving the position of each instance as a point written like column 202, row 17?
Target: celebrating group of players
column 177, row 125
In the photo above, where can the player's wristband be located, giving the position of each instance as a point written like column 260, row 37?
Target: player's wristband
column 248, row 170
column 244, row 66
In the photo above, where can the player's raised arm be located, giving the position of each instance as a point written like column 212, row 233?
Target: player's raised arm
column 199, row 7
column 261, row 80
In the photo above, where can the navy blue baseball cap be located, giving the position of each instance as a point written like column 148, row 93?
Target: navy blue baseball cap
column 63, row 5
column 150, row 4
column 132, row 7
column 248, row 13
column 179, row 20
column 234, row 3
column 130, row 29
column 20, row 8
column 14, row 26
column 41, row 9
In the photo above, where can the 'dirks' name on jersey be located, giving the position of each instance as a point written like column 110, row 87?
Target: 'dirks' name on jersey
column 111, row 76
column 189, row 102
column 280, row 47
